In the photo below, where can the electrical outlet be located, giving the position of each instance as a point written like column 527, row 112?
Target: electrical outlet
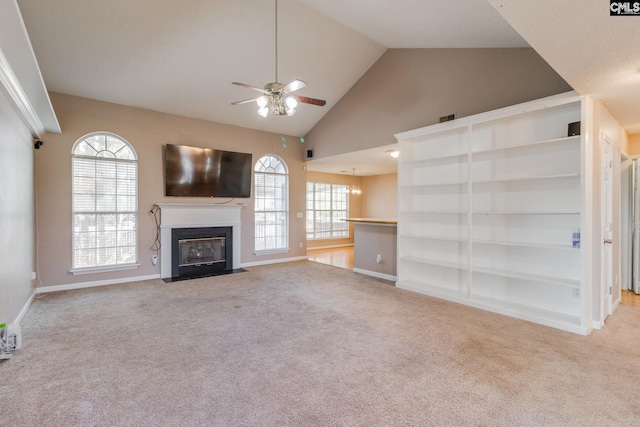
column 154, row 259
column 576, row 292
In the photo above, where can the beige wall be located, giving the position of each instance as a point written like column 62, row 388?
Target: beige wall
column 410, row 88
column 355, row 205
column 147, row 132
column 633, row 146
column 17, row 246
column 380, row 196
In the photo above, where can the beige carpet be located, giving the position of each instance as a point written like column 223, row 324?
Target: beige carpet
column 305, row 344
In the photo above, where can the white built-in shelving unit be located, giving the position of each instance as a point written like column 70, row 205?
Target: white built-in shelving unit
column 487, row 208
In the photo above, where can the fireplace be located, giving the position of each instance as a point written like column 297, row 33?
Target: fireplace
column 201, row 251
column 183, row 216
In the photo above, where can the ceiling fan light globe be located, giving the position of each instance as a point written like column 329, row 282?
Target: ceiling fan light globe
column 291, row 102
column 291, row 111
column 263, row 111
column 262, row 101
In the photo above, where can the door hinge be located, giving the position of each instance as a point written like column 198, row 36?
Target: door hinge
column 610, row 290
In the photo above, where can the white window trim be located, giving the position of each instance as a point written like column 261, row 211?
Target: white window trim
column 114, row 267
column 287, row 211
column 271, row 252
column 348, row 236
column 102, row 269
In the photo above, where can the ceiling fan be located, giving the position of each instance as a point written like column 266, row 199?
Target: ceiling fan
column 276, row 97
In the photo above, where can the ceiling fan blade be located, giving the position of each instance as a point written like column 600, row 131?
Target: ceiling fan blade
column 293, row 86
column 314, row 101
column 248, row 86
column 246, row 101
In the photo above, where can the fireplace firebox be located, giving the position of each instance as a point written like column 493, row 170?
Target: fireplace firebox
column 201, row 251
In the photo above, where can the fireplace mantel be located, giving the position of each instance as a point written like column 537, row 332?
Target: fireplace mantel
column 183, row 215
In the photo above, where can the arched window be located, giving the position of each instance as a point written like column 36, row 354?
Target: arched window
column 105, row 203
column 271, row 204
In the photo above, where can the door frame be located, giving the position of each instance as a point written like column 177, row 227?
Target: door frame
column 606, row 226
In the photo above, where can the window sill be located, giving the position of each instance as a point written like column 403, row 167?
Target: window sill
column 107, row 268
column 311, row 239
column 271, row 252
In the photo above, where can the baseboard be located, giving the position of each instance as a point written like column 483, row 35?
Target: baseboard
column 273, row 261
column 345, row 245
column 597, row 324
column 615, row 305
column 25, row 308
column 375, row 274
column 46, row 289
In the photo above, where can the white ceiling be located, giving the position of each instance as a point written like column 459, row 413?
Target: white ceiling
column 180, row 57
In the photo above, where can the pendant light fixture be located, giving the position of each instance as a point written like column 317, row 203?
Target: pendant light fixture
column 354, row 189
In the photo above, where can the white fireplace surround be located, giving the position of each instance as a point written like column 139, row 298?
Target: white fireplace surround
column 180, row 215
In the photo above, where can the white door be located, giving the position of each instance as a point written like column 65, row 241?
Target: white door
column 606, row 151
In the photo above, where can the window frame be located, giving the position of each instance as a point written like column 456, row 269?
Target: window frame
column 97, row 158
column 331, row 210
column 285, row 210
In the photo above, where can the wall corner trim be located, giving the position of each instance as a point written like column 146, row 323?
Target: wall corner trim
column 19, row 98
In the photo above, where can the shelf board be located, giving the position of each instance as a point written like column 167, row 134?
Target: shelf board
column 525, row 213
column 439, row 184
column 453, row 265
column 573, row 283
column 546, row 317
column 426, row 237
column 533, row 311
column 523, row 244
column 493, row 181
column 435, row 212
column 524, row 147
column 433, row 290
column 530, row 178
column 428, row 161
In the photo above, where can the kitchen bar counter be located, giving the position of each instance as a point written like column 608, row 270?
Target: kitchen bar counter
column 384, row 221
column 375, row 246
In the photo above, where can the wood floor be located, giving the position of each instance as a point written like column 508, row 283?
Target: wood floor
column 343, row 258
column 338, row 257
column 630, row 298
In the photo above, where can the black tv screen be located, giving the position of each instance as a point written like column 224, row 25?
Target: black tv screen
column 206, row 172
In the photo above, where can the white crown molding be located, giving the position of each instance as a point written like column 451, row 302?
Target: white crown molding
column 19, row 98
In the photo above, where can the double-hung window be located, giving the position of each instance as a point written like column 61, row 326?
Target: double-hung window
column 105, row 203
column 271, row 204
column 327, row 207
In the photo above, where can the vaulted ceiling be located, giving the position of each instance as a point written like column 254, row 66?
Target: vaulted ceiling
column 180, row 57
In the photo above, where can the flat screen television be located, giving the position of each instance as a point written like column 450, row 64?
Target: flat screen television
column 206, row 172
